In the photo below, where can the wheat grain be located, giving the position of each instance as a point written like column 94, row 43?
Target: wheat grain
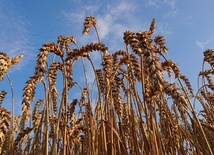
column 5, row 64
column 2, row 96
column 88, row 23
column 160, row 42
column 133, row 110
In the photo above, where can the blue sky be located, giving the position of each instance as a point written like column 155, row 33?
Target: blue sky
column 25, row 25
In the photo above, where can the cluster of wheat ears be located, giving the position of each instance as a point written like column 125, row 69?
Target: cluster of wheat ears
column 141, row 102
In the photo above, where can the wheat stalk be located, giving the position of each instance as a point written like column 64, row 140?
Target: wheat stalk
column 132, row 107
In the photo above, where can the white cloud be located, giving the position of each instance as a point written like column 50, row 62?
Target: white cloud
column 171, row 13
column 171, row 3
column 202, row 44
column 106, row 21
column 112, row 22
column 162, row 29
column 74, row 20
column 158, row 4
column 104, row 24
column 122, row 7
column 13, row 34
column 77, row 16
column 153, row 3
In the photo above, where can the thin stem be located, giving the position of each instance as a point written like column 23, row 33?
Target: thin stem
column 98, row 37
column 12, row 121
column 97, row 33
column 12, row 92
column 85, row 74
column 196, row 119
column 84, row 69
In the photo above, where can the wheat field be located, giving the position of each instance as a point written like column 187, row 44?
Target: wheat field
column 139, row 103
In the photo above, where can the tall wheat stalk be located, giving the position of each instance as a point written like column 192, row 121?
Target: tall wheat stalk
column 133, row 107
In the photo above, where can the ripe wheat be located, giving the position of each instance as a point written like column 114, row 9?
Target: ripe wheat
column 132, row 107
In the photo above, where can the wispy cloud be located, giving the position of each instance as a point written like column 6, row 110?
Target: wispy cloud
column 171, row 13
column 122, row 7
column 153, row 3
column 158, row 4
column 77, row 16
column 202, row 44
column 13, row 34
column 113, row 20
column 162, row 28
column 117, row 19
column 171, row 3
column 74, row 20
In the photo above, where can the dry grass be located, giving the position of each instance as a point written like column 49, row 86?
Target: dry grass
column 133, row 107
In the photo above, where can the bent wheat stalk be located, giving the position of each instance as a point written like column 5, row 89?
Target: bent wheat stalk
column 139, row 101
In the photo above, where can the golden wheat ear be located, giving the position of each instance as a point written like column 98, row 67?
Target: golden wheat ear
column 152, row 26
column 88, row 23
column 2, row 96
column 16, row 59
column 5, row 117
column 4, row 64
